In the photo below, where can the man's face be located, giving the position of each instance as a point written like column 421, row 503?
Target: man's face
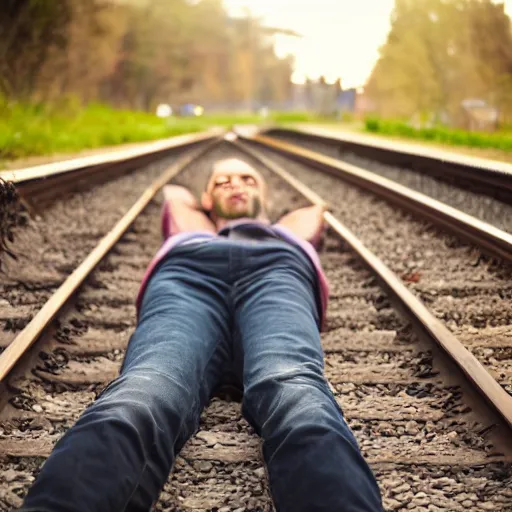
column 236, row 190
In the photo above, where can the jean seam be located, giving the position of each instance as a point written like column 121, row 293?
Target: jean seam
column 136, row 486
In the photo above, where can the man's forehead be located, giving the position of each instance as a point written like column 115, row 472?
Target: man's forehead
column 232, row 167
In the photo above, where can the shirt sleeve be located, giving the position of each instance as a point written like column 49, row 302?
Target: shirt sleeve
column 168, row 224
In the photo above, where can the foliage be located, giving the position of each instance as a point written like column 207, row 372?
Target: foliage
column 28, row 31
column 439, row 53
column 500, row 140
column 138, row 53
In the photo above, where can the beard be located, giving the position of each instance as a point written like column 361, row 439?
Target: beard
column 251, row 209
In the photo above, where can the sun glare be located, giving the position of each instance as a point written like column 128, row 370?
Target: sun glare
column 340, row 38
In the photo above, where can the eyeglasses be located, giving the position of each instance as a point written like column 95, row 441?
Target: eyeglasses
column 226, row 182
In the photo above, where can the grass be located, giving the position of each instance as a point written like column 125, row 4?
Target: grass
column 501, row 140
column 28, row 130
column 36, row 129
column 295, row 117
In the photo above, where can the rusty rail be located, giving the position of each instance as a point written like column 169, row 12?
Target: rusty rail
column 488, row 237
column 487, row 176
column 412, row 306
column 31, row 333
column 42, row 183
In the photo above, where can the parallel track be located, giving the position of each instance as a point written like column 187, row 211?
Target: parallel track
column 475, row 293
column 486, row 176
column 414, row 425
column 41, row 184
column 488, row 237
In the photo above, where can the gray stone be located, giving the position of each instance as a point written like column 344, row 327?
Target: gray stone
column 260, row 472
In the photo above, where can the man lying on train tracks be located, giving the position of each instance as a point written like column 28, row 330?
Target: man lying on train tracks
column 227, row 292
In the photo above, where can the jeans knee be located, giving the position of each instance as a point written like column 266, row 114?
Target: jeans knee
column 144, row 400
column 122, row 404
column 292, row 399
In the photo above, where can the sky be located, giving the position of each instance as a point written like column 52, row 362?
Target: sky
column 341, row 38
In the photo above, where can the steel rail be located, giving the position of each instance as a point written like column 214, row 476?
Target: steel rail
column 489, row 238
column 100, row 161
column 495, row 175
column 35, row 328
column 412, row 306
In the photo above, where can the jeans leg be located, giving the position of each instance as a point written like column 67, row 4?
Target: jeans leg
column 118, row 455
column 313, row 459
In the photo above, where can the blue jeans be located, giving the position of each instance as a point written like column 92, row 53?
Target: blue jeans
column 207, row 308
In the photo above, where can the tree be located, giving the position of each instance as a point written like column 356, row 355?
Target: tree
column 438, row 53
column 28, row 31
column 137, row 53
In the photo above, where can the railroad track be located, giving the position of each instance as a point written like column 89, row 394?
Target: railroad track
column 475, row 303
column 40, row 185
column 432, row 441
column 481, row 188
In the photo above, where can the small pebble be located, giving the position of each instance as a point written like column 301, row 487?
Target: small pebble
column 203, row 466
column 401, row 488
column 260, row 472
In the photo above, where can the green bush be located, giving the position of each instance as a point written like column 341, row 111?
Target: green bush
column 372, row 125
column 499, row 140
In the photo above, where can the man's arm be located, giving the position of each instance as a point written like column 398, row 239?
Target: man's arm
column 306, row 223
column 185, row 212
